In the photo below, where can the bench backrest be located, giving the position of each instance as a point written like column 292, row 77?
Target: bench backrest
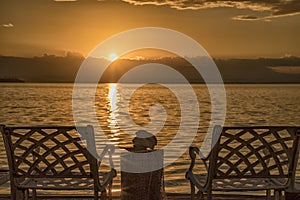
column 256, row 152
column 50, row 152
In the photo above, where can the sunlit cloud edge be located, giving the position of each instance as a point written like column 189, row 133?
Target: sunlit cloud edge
column 8, row 25
column 272, row 9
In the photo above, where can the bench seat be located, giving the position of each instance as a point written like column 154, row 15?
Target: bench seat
column 241, row 184
column 71, row 183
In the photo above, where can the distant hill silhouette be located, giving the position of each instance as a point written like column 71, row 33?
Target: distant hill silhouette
column 260, row 70
column 50, row 68
column 11, row 80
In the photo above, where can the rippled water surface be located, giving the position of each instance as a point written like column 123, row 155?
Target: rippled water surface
column 51, row 104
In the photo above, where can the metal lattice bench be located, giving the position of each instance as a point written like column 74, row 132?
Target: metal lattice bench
column 246, row 159
column 54, row 158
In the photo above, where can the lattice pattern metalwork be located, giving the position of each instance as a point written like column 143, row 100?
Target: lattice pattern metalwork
column 53, row 158
column 255, row 152
column 248, row 158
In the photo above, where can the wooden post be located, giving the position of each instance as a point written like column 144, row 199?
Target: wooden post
column 135, row 183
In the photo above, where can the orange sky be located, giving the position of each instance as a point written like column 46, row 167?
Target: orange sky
column 226, row 29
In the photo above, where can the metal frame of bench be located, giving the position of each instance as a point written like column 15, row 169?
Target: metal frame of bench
column 247, row 159
column 55, row 158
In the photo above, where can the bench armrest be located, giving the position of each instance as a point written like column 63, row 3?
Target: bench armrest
column 201, row 180
column 193, row 151
column 110, row 150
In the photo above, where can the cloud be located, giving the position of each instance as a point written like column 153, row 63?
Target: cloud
column 246, row 18
column 7, row 25
column 269, row 8
column 265, row 18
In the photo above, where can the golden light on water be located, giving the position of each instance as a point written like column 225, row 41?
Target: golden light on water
column 112, row 97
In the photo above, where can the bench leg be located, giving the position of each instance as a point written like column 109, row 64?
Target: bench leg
column 110, row 190
column 25, row 194
column 281, row 196
column 96, row 196
column 278, row 195
column 17, row 194
column 20, row 195
column 192, row 190
column 103, row 195
column 200, row 195
column 34, row 194
column 209, row 195
column 268, row 194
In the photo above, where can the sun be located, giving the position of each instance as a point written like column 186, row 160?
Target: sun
column 113, row 57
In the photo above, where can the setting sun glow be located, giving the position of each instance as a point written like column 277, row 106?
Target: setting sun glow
column 113, row 57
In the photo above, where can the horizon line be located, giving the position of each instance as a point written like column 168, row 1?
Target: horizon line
column 45, row 55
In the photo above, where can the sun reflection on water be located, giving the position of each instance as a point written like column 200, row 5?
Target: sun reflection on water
column 112, row 119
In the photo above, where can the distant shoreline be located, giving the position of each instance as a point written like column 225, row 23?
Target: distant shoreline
column 11, row 80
